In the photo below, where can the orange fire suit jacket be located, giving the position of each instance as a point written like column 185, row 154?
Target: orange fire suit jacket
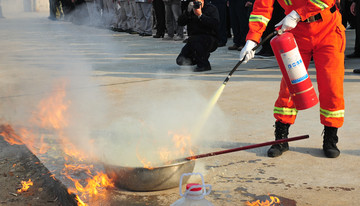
column 262, row 12
column 324, row 40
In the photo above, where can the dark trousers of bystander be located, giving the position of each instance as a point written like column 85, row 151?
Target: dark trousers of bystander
column 347, row 17
column 222, row 32
column 197, row 51
column 277, row 15
column 159, row 9
column 239, row 19
column 53, row 5
column 357, row 29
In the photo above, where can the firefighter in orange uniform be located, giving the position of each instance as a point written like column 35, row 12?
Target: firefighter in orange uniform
column 319, row 33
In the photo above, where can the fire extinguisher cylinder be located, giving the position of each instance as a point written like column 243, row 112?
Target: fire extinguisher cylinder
column 294, row 71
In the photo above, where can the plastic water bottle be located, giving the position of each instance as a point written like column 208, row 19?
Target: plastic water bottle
column 194, row 194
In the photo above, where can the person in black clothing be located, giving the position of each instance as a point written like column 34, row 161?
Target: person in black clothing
column 277, row 15
column 347, row 16
column 159, row 9
column 68, row 7
column 54, row 5
column 239, row 19
column 221, row 6
column 202, row 24
column 355, row 10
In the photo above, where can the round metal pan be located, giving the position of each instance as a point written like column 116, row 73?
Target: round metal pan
column 144, row 179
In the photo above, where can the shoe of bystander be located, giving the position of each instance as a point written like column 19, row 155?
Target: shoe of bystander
column 167, row 38
column 353, row 55
column 233, row 47
column 178, row 38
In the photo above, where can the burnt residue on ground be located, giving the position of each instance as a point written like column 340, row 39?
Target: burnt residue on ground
column 18, row 163
column 208, row 167
column 263, row 198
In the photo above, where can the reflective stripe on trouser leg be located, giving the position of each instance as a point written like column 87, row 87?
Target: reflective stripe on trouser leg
column 332, row 117
column 284, row 110
column 329, row 63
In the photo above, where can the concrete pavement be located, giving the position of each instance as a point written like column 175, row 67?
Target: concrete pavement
column 113, row 75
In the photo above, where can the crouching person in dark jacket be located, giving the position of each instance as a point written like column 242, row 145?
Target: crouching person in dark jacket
column 202, row 20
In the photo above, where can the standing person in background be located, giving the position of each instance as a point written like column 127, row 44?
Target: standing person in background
column 228, row 24
column 120, row 17
column 347, row 16
column 172, row 13
column 355, row 10
column 133, row 18
column 68, row 7
column 1, row 14
column 159, row 10
column 109, row 13
column 94, row 12
column 144, row 16
column 221, row 6
column 184, row 5
column 53, row 5
column 239, row 18
column 130, row 16
column 319, row 33
column 277, row 15
column 80, row 14
column 202, row 20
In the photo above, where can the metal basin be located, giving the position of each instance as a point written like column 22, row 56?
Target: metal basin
column 143, row 179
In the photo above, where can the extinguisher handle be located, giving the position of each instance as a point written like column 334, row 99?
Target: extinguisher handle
column 272, row 34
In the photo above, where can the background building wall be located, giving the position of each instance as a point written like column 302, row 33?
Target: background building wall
column 14, row 6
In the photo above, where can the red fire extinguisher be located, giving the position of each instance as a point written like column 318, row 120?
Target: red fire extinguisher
column 293, row 70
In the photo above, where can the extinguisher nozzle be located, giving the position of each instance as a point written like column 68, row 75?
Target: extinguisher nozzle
column 280, row 31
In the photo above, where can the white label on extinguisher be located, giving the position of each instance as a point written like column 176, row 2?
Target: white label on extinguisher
column 294, row 66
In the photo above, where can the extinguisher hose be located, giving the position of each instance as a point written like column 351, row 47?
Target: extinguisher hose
column 254, row 49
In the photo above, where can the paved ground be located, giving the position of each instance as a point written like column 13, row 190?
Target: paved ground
column 116, row 77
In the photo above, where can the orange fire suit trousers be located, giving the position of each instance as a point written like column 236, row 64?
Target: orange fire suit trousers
column 324, row 40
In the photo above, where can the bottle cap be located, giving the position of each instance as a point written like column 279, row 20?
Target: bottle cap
column 193, row 189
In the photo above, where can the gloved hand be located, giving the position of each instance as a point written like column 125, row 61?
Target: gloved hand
column 190, row 6
column 247, row 52
column 290, row 21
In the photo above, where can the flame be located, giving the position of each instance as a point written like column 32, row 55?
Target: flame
column 273, row 201
column 43, row 146
column 181, row 146
column 146, row 164
column 52, row 115
column 25, row 186
column 95, row 186
column 79, row 201
column 51, row 112
column 10, row 136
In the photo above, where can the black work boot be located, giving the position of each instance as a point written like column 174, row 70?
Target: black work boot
column 281, row 132
column 330, row 140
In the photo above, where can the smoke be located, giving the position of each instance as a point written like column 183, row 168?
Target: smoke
column 158, row 113
column 123, row 128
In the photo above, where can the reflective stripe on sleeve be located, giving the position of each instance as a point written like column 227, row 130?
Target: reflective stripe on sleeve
column 288, row 2
column 319, row 4
column 259, row 18
column 327, row 113
column 285, row 111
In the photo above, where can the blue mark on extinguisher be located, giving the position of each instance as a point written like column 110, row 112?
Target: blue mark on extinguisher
column 299, row 79
column 294, row 64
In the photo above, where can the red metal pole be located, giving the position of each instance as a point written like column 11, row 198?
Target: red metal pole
column 247, row 147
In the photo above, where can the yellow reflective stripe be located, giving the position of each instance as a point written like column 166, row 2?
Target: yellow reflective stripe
column 259, row 18
column 327, row 113
column 288, row 2
column 285, row 111
column 319, row 4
